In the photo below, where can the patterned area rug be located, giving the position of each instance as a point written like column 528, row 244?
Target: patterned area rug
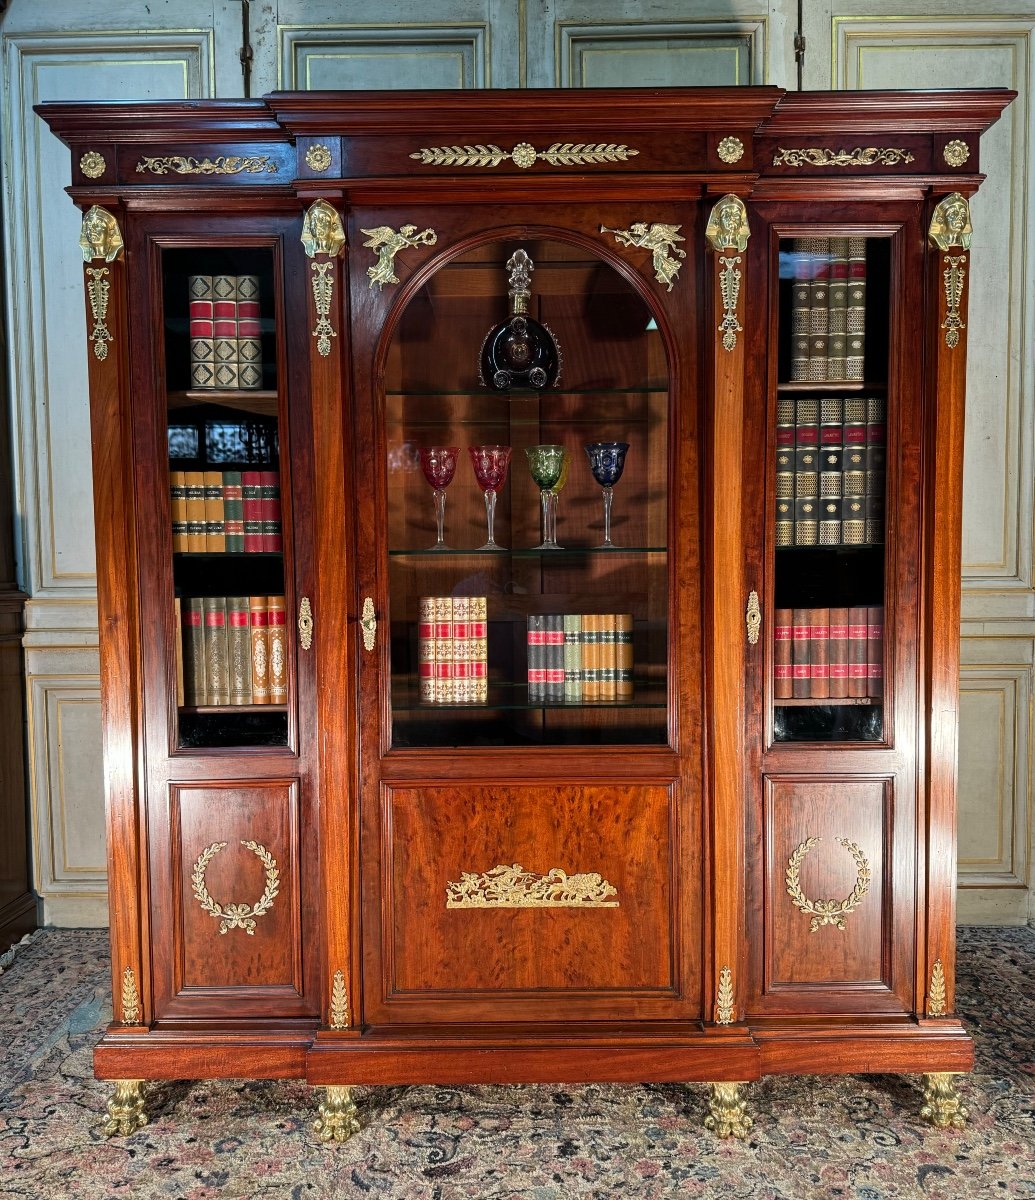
column 858, row 1138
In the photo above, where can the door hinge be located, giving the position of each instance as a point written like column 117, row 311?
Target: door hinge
column 246, row 54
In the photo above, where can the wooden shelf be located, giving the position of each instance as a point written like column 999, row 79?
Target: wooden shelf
column 232, row 708
column 812, row 702
column 251, row 400
column 832, row 385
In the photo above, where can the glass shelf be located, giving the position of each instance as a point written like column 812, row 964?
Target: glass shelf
column 513, row 697
column 232, row 708
column 484, row 393
column 831, row 385
column 564, row 552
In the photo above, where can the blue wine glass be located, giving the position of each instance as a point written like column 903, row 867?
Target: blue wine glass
column 607, row 462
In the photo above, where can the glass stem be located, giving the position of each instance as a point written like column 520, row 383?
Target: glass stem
column 490, row 516
column 608, row 497
column 551, row 517
column 440, row 516
column 544, row 505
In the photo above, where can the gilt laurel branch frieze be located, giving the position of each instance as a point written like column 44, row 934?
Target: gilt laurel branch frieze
column 236, row 916
column 560, row 154
column 514, row 887
column 827, row 912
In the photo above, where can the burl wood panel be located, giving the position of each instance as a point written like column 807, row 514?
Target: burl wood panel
column 438, row 833
column 269, row 956
column 828, row 809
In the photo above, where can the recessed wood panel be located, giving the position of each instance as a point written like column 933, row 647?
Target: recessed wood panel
column 215, row 823
column 849, row 820
column 440, row 834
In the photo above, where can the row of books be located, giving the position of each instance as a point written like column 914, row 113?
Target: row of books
column 830, row 470
column 452, row 650
column 578, row 658
column 225, row 512
column 225, row 331
column 233, row 650
column 829, row 653
column 828, row 309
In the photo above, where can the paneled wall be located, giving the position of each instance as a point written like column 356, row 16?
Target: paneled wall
column 81, row 49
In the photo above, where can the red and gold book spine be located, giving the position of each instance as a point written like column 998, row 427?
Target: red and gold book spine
column 249, row 332
column 478, row 644
column 269, row 507
column 202, row 332
column 251, row 493
column 624, row 655
column 535, row 652
column 875, row 651
column 239, row 649
column 215, row 526
column 197, row 542
column 426, row 649
column 819, row 655
column 278, row 650
column 178, row 510
column 444, row 689
column 259, row 617
column 858, row 674
column 462, row 650
column 217, row 664
column 224, row 307
column 801, row 633
column 783, row 678
column 838, row 653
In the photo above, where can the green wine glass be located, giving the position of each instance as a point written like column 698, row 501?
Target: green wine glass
column 546, row 463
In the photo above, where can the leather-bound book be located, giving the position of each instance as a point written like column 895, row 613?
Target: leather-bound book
column 554, row 658
column 479, row 649
column 801, row 634
column 202, row 331
column 215, row 529
column 251, row 494
column 608, row 657
column 178, row 511
column 572, row 658
column 785, row 522
column 838, row 653
column 249, row 332
column 837, row 323
column 783, row 682
column 858, row 675
column 259, row 618
column 461, row 650
column 227, row 370
column 444, row 650
column 624, row 656
column 806, row 472
column 856, row 316
column 426, row 649
column 233, row 512
column 800, row 311
column 819, row 654
column 819, row 308
column 536, row 639
column 785, row 454
column 831, row 433
column 193, row 613
column 875, row 651
column 269, row 502
column 239, row 649
column 853, row 459
column 194, row 482
column 217, row 664
column 178, row 626
column 278, row 650
column 876, row 436
column 590, row 658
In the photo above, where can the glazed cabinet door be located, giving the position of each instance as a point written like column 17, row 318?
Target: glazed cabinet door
column 527, row 512
column 833, row 797
column 223, row 484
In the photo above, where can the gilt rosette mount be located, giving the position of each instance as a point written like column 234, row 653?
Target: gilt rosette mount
column 519, row 352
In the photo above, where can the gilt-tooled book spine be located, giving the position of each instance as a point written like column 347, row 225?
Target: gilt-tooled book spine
column 624, row 655
column 227, row 371
column 837, row 331
column 853, row 484
column 800, row 311
column 426, row 649
column 444, row 690
column 259, row 624
column 461, row 650
column 554, row 658
column 572, row 658
column 806, row 466
column 784, row 470
column 783, row 681
column 801, row 632
column 202, row 331
column 215, row 528
column 819, row 307
column 249, row 332
column 855, row 360
column 838, row 653
column 233, row 512
column 590, row 659
column 269, row 500
column 194, row 689
column 858, row 673
column 819, row 654
column 217, row 673
column 479, row 649
column 278, row 650
column 178, row 510
column 830, row 435
column 536, row 640
column 251, row 497
column 194, row 483
column 875, row 651
column 239, row 649
column 876, row 436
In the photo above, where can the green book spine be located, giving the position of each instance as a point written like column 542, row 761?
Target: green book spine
column 233, row 512
column 217, row 675
column 572, row 658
